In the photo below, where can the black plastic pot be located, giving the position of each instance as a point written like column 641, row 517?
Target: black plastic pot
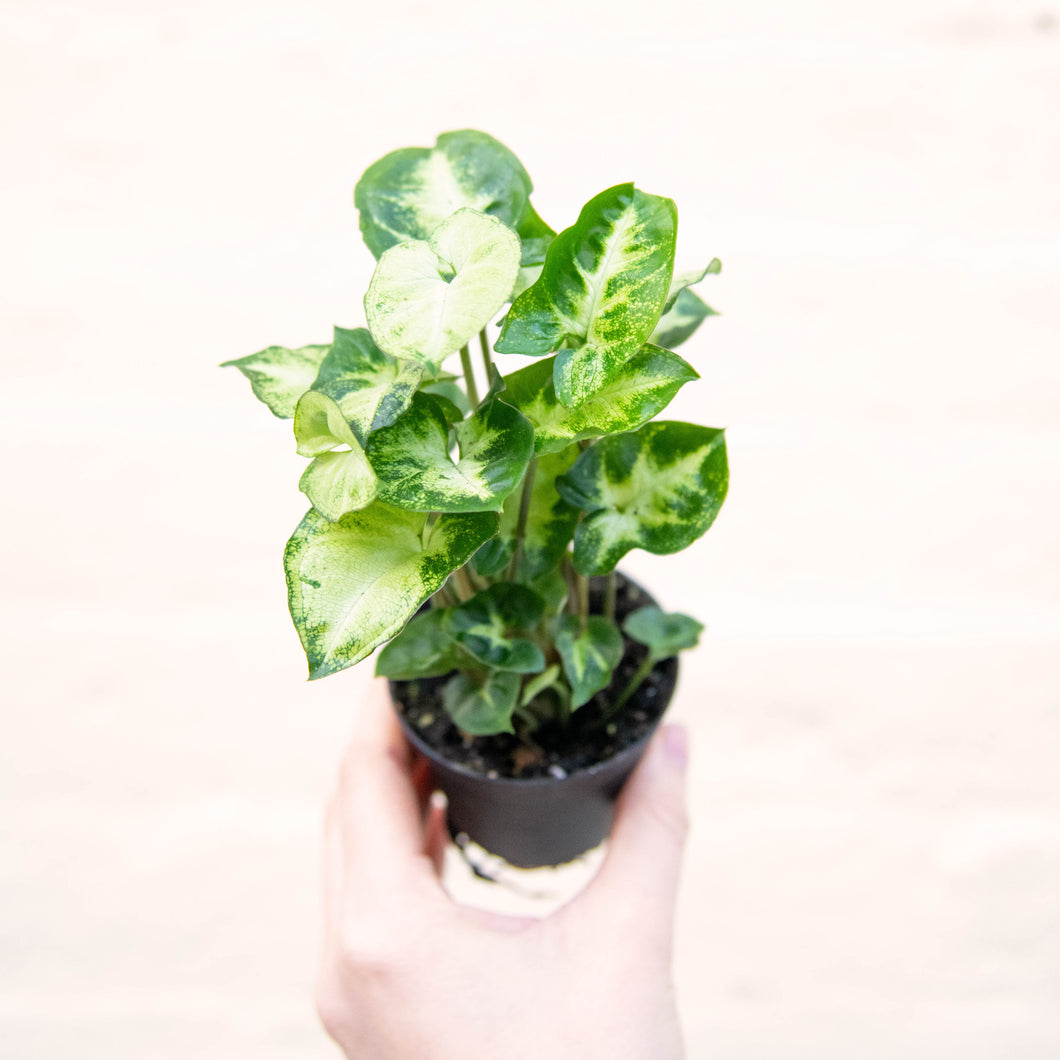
column 549, row 820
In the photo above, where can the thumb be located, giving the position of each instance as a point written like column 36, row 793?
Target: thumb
column 640, row 873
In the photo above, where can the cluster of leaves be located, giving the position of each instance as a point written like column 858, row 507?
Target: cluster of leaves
column 496, row 510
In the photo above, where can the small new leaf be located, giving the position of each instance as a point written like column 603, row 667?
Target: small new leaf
column 589, row 655
column 664, row 633
column 483, row 626
column 484, row 706
column 424, row 648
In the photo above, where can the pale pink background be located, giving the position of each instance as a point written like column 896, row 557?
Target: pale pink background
column 875, row 866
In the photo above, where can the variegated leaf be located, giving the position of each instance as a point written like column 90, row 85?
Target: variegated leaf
column 658, row 488
column 536, row 237
column 416, row 471
column 641, row 390
column 682, row 321
column 427, row 299
column 589, row 654
column 424, row 648
column 549, row 525
column 484, row 627
column 408, row 193
column 482, row 705
column 353, row 584
column 601, row 292
column 340, row 479
column 370, row 387
column 279, row 376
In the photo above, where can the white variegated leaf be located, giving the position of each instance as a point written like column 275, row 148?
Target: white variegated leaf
column 339, row 482
column 428, row 299
column 279, row 376
column 408, row 193
column 353, row 584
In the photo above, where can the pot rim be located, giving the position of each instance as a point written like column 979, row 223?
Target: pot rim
column 631, row 750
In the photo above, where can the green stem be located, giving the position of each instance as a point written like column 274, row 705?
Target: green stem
column 524, row 515
column 634, row 683
column 464, row 588
column 469, row 377
column 609, row 597
column 487, row 363
column 583, row 598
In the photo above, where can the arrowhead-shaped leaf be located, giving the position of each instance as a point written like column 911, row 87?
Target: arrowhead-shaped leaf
column 353, row 584
column 424, row 648
column 407, row 194
column 549, row 526
column 335, row 482
column 279, row 377
column 427, row 299
column 664, row 633
column 536, row 237
column 482, row 706
column 684, row 310
column 371, row 388
column 415, row 470
column 589, row 655
column 601, row 292
column 483, row 626
column 641, row 390
column 658, row 488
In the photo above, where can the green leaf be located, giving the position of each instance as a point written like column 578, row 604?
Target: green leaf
column 658, row 488
column 601, row 292
column 536, row 237
column 549, row 526
column 684, row 310
column 482, row 706
column 416, row 471
column 279, row 376
column 408, row 193
column 665, row 634
column 536, row 685
column 644, row 387
column 483, row 626
column 353, row 584
column 450, row 390
column 371, row 388
column 427, row 299
column 589, row 655
column 424, row 648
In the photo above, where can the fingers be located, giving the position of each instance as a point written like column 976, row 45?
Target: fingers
column 378, row 803
column 640, row 874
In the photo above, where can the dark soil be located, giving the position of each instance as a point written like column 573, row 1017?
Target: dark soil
column 551, row 750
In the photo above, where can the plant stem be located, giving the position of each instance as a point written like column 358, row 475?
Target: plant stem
column 469, row 377
column 609, row 597
column 583, row 597
column 487, row 363
column 524, row 514
column 634, row 683
column 464, row 588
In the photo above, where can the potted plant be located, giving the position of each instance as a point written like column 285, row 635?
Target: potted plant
column 469, row 523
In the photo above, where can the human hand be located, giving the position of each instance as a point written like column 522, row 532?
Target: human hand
column 407, row 974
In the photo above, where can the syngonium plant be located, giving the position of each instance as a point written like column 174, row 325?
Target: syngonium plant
column 495, row 503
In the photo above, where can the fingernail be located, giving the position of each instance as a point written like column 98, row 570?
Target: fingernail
column 675, row 744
